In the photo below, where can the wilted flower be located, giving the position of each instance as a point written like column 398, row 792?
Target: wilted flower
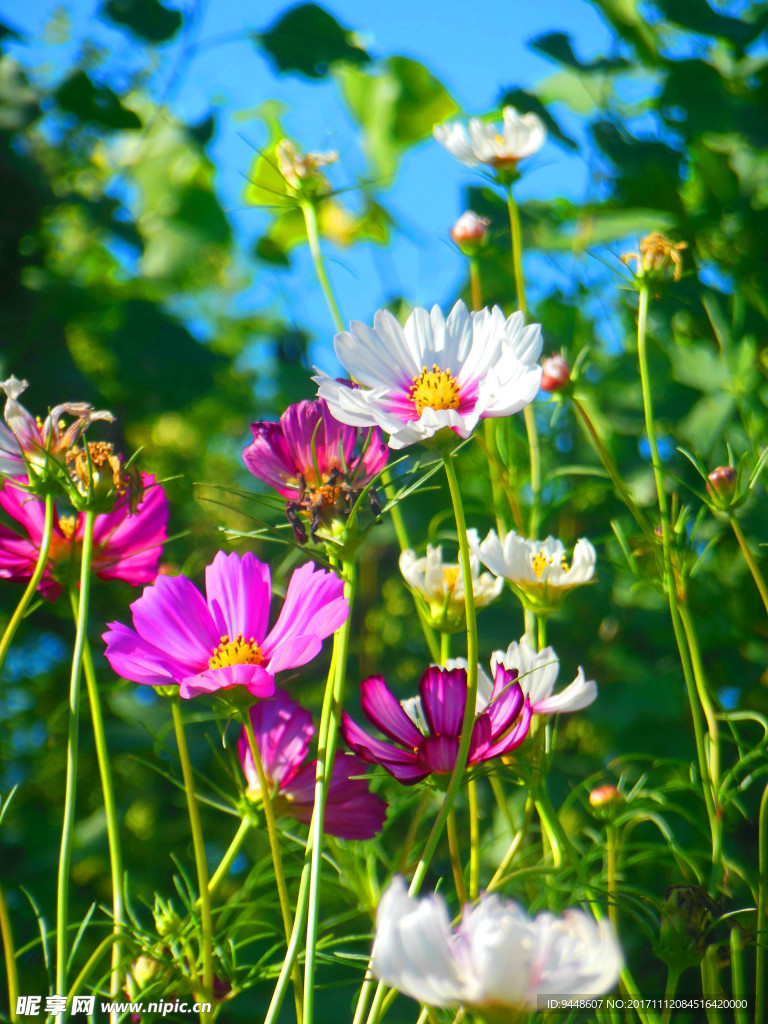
column 436, row 373
column 538, row 570
column 441, row 585
column 537, row 674
column 220, row 642
column 480, row 142
column 655, row 256
column 556, row 373
column 470, row 232
column 318, row 464
column 498, row 957
column 302, row 172
column 125, row 546
column 283, row 733
column 428, row 729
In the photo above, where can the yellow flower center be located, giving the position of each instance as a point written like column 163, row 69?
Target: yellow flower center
column 435, row 389
column 67, row 526
column 236, row 652
column 450, row 576
column 540, row 563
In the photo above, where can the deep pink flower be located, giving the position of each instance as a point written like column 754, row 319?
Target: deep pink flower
column 283, row 732
column 125, row 547
column 428, row 732
column 206, row 644
column 318, row 464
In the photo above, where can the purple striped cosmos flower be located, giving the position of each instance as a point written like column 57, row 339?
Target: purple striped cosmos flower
column 318, row 464
column 427, row 729
column 218, row 642
column 283, row 733
column 125, row 547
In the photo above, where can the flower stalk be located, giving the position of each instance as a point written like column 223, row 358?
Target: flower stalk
column 309, row 209
column 9, row 953
column 70, row 793
column 31, row 588
column 201, row 864
column 749, row 558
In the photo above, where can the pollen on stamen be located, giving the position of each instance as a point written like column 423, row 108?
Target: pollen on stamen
column 435, row 389
column 539, row 563
column 236, row 652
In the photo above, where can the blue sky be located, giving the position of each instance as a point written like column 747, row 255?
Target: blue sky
column 476, row 49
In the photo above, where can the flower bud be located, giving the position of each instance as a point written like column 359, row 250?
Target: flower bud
column 604, row 796
column 556, row 373
column 470, row 230
column 721, row 484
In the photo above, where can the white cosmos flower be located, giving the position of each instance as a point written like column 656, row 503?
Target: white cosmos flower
column 537, row 675
column 441, row 584
column 497, row 957
column 480, row 142
column 538, row 569
column 435, row 373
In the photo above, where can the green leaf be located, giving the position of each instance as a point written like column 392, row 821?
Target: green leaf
column 309, row 40
column 698, row 16
column 94, row 104
column 149, row 20
column 527, row 103
column 558, row 45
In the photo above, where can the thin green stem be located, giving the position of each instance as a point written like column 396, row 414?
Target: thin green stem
column 10, row 957
column 738, row 983
column 70, row 793
column 31, row 588
column 292, row 953
column 541, row 623
column 749, row 558
column 710, row 987
column 413, row 828
column 327, row 742
column 474, row 840
column 201, row 864
column 110, row 811
column 528, row 414
column 612, row 869
column 761, row 938
column 274, row 848
column 229, row 857
column 673, row 976
column 313, row 237
column 454, row 849
column 670, row 582
column 445, row 648
column 474, row 283
column 514, row 846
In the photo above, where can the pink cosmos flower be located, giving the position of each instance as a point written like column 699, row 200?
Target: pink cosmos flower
column 206, row 644
column 318, row 464
column 125, row 547
column 427, row 729
column 283, row 732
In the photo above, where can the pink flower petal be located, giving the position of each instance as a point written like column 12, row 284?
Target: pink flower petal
column 283, row 732
column 314, row 606
column 443, row 698
column 239, row 594
column 386, row 713
column 172, row 615
column 438, row 753
column 269, row 459
column 400, row 763
column 137, row 659
column 256, row 680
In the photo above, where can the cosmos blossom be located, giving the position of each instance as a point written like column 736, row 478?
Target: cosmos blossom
column 125, row 547
column 220, row 641
column 435, row 373
column 426, row 731
column 496, row 957
column 283, row 732
column 537, row 674
column 316, row 463
column 538, row 569
column 480, row 142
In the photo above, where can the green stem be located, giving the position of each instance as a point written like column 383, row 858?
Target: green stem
column 228, row 859
column 31, row 588
column 738, row 984
column 70, row 794
column 110, row 811
column 313, row 237
column 528, row 414
column 474, row 840
column 749, row 558
column 274, row 848
column 541, row 623
column 673, row 976
column 10, row 958
column 761, row 938
column 612, row 869
column 454, row 850
column 445, row 647
column 474, row 283
column 514, row 846
column 710, row 987
column 670, row 583
column 201, row 865
column 327, row 742
column 410, row 835
column 292, row 953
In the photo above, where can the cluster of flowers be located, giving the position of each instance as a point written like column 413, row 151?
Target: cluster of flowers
column 429, row 381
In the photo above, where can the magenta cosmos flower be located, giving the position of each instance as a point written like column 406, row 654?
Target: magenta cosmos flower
column 206, row 644
column 125, row 547
column 283, row 733
column 427, row 728
column 318, row 464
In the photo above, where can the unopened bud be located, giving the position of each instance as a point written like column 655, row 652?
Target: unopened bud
column 721, row 484
column 470, row 229
column 604, row 796
column 556, row 373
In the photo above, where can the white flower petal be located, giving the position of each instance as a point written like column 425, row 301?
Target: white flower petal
column 577, row 695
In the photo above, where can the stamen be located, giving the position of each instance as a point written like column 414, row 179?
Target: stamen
column 435, row 389
column 236, row 652
column 67, row 525
column 539, row 563
column 450, row 577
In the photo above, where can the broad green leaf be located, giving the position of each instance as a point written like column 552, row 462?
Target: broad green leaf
column 309, row 40
column 149, row 20
column 559, row 46
column 528, row 103
column 94, row 104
